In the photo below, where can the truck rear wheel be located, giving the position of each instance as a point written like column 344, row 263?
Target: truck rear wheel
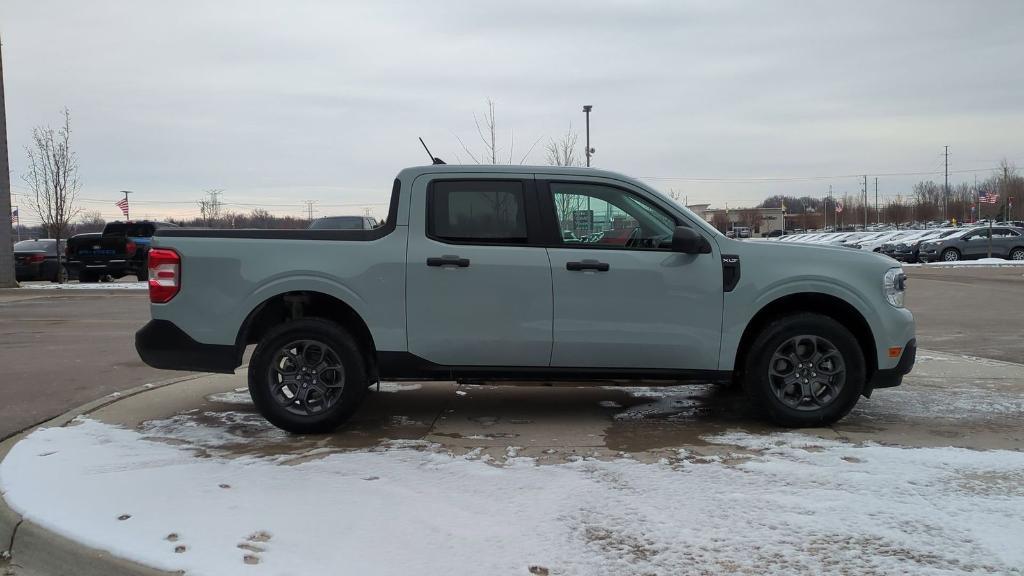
column 805, row 370
column 307, row 376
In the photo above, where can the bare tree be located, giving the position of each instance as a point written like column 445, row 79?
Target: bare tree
column 562, row 152
column 90, row 221
column 487, row 131
column 52, row 177
column 211, row 208
column 261, row 218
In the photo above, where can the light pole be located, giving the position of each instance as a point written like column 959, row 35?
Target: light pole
column 126, row 206
column 586, row 110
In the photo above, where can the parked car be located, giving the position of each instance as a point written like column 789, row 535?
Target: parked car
column 38, row 259
column 908, row 249
column 344, row 223
column 469, row 277
column 973, row 243
column 120, row 250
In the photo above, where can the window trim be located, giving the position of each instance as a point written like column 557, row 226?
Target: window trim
column 551, row 230
column 532, row 214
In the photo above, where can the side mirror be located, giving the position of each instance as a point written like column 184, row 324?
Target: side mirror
column 688, row 241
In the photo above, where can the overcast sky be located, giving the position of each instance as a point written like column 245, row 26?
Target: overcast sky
column 279, row 102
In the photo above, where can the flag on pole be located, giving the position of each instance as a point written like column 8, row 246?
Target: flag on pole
column 14, row 216
column 839, row 207
column 988, row 197
column 123, row 205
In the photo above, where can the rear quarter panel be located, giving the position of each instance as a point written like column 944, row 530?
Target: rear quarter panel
column 224, row 279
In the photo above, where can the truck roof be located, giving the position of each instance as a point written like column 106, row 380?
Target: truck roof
column 414, row 171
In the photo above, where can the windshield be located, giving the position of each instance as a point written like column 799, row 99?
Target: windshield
column 35, row 245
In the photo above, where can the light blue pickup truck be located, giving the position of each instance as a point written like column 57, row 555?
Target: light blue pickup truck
column 525, row 273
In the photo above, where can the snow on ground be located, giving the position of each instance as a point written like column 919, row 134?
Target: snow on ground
column 87, row 286
column 786, row 504
column 982, row 262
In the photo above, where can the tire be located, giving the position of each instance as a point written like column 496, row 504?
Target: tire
column 818, row 404
column 1017, row 254
column 950, row 255
column 303, row 401
column 142, row 275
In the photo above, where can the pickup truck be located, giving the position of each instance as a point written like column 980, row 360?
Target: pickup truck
column 470, row 276
column 120, row 250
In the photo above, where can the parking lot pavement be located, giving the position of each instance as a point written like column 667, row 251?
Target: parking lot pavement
column 570, row 479
column 975, row 311
column 61, row 349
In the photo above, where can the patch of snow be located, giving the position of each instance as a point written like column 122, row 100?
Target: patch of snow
column 798, row 505
column 238, row 396
column 398, row 387
column 981, row 262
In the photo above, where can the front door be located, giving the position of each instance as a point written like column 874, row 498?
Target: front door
column 623, row 299
column 477, row 293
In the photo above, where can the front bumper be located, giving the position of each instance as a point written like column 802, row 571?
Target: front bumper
column 161, row 344
column 890, row 377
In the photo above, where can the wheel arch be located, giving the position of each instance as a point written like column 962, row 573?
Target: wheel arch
column 814, row 302
column 295, row 304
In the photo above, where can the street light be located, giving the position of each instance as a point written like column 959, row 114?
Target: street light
column 589, row 151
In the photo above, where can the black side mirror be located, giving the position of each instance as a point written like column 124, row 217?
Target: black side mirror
column 688, row 241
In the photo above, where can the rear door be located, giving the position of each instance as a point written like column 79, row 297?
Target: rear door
column 478, row 291
column 1003, row 239
column 625, row 300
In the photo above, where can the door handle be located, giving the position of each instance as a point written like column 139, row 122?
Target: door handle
column 448, row 261
column 587, row 265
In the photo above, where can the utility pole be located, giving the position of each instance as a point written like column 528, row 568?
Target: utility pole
column 309, row 208
column 876, row 201
column 7, row 279
column 945, row 195
column 1006, row 191
column 830, row 199
column 586, row 110
column 865, row 196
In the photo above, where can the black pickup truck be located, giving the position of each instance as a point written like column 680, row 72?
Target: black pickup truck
column 120, row 250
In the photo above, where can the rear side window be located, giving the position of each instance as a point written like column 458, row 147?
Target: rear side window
column 131, row 230
column 477, row 211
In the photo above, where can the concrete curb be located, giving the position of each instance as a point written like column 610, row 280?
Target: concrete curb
column 31, row 550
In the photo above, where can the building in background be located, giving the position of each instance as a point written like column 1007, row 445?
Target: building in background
column 761, row 221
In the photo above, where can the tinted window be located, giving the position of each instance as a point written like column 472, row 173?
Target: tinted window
column 49, row 246
column 131, row 230
column 338, row 223
column 484, row 211
column 605, row 215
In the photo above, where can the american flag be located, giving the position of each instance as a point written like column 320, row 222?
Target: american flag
column 839, row 207
column 988, row 197
column 123, row 205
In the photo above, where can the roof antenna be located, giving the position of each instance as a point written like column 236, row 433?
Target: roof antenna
column 433, row 159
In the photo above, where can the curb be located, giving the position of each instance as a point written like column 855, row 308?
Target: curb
column 27, row 549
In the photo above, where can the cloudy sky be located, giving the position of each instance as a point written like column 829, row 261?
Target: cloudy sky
column 280, row 102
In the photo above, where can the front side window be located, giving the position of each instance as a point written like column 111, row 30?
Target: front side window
column 477, row 211
column 599, row 215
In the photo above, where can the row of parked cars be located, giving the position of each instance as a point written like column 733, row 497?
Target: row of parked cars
column 931, row 245
column 120, row 250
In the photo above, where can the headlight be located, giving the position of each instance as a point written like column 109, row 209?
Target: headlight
column 894, row 285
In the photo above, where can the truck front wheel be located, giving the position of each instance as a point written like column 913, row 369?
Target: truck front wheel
column 805, row 370
column 307, row 376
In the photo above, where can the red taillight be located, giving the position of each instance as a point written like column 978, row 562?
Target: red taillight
column 164, row 275
column 130, row 248
column 36, row 258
